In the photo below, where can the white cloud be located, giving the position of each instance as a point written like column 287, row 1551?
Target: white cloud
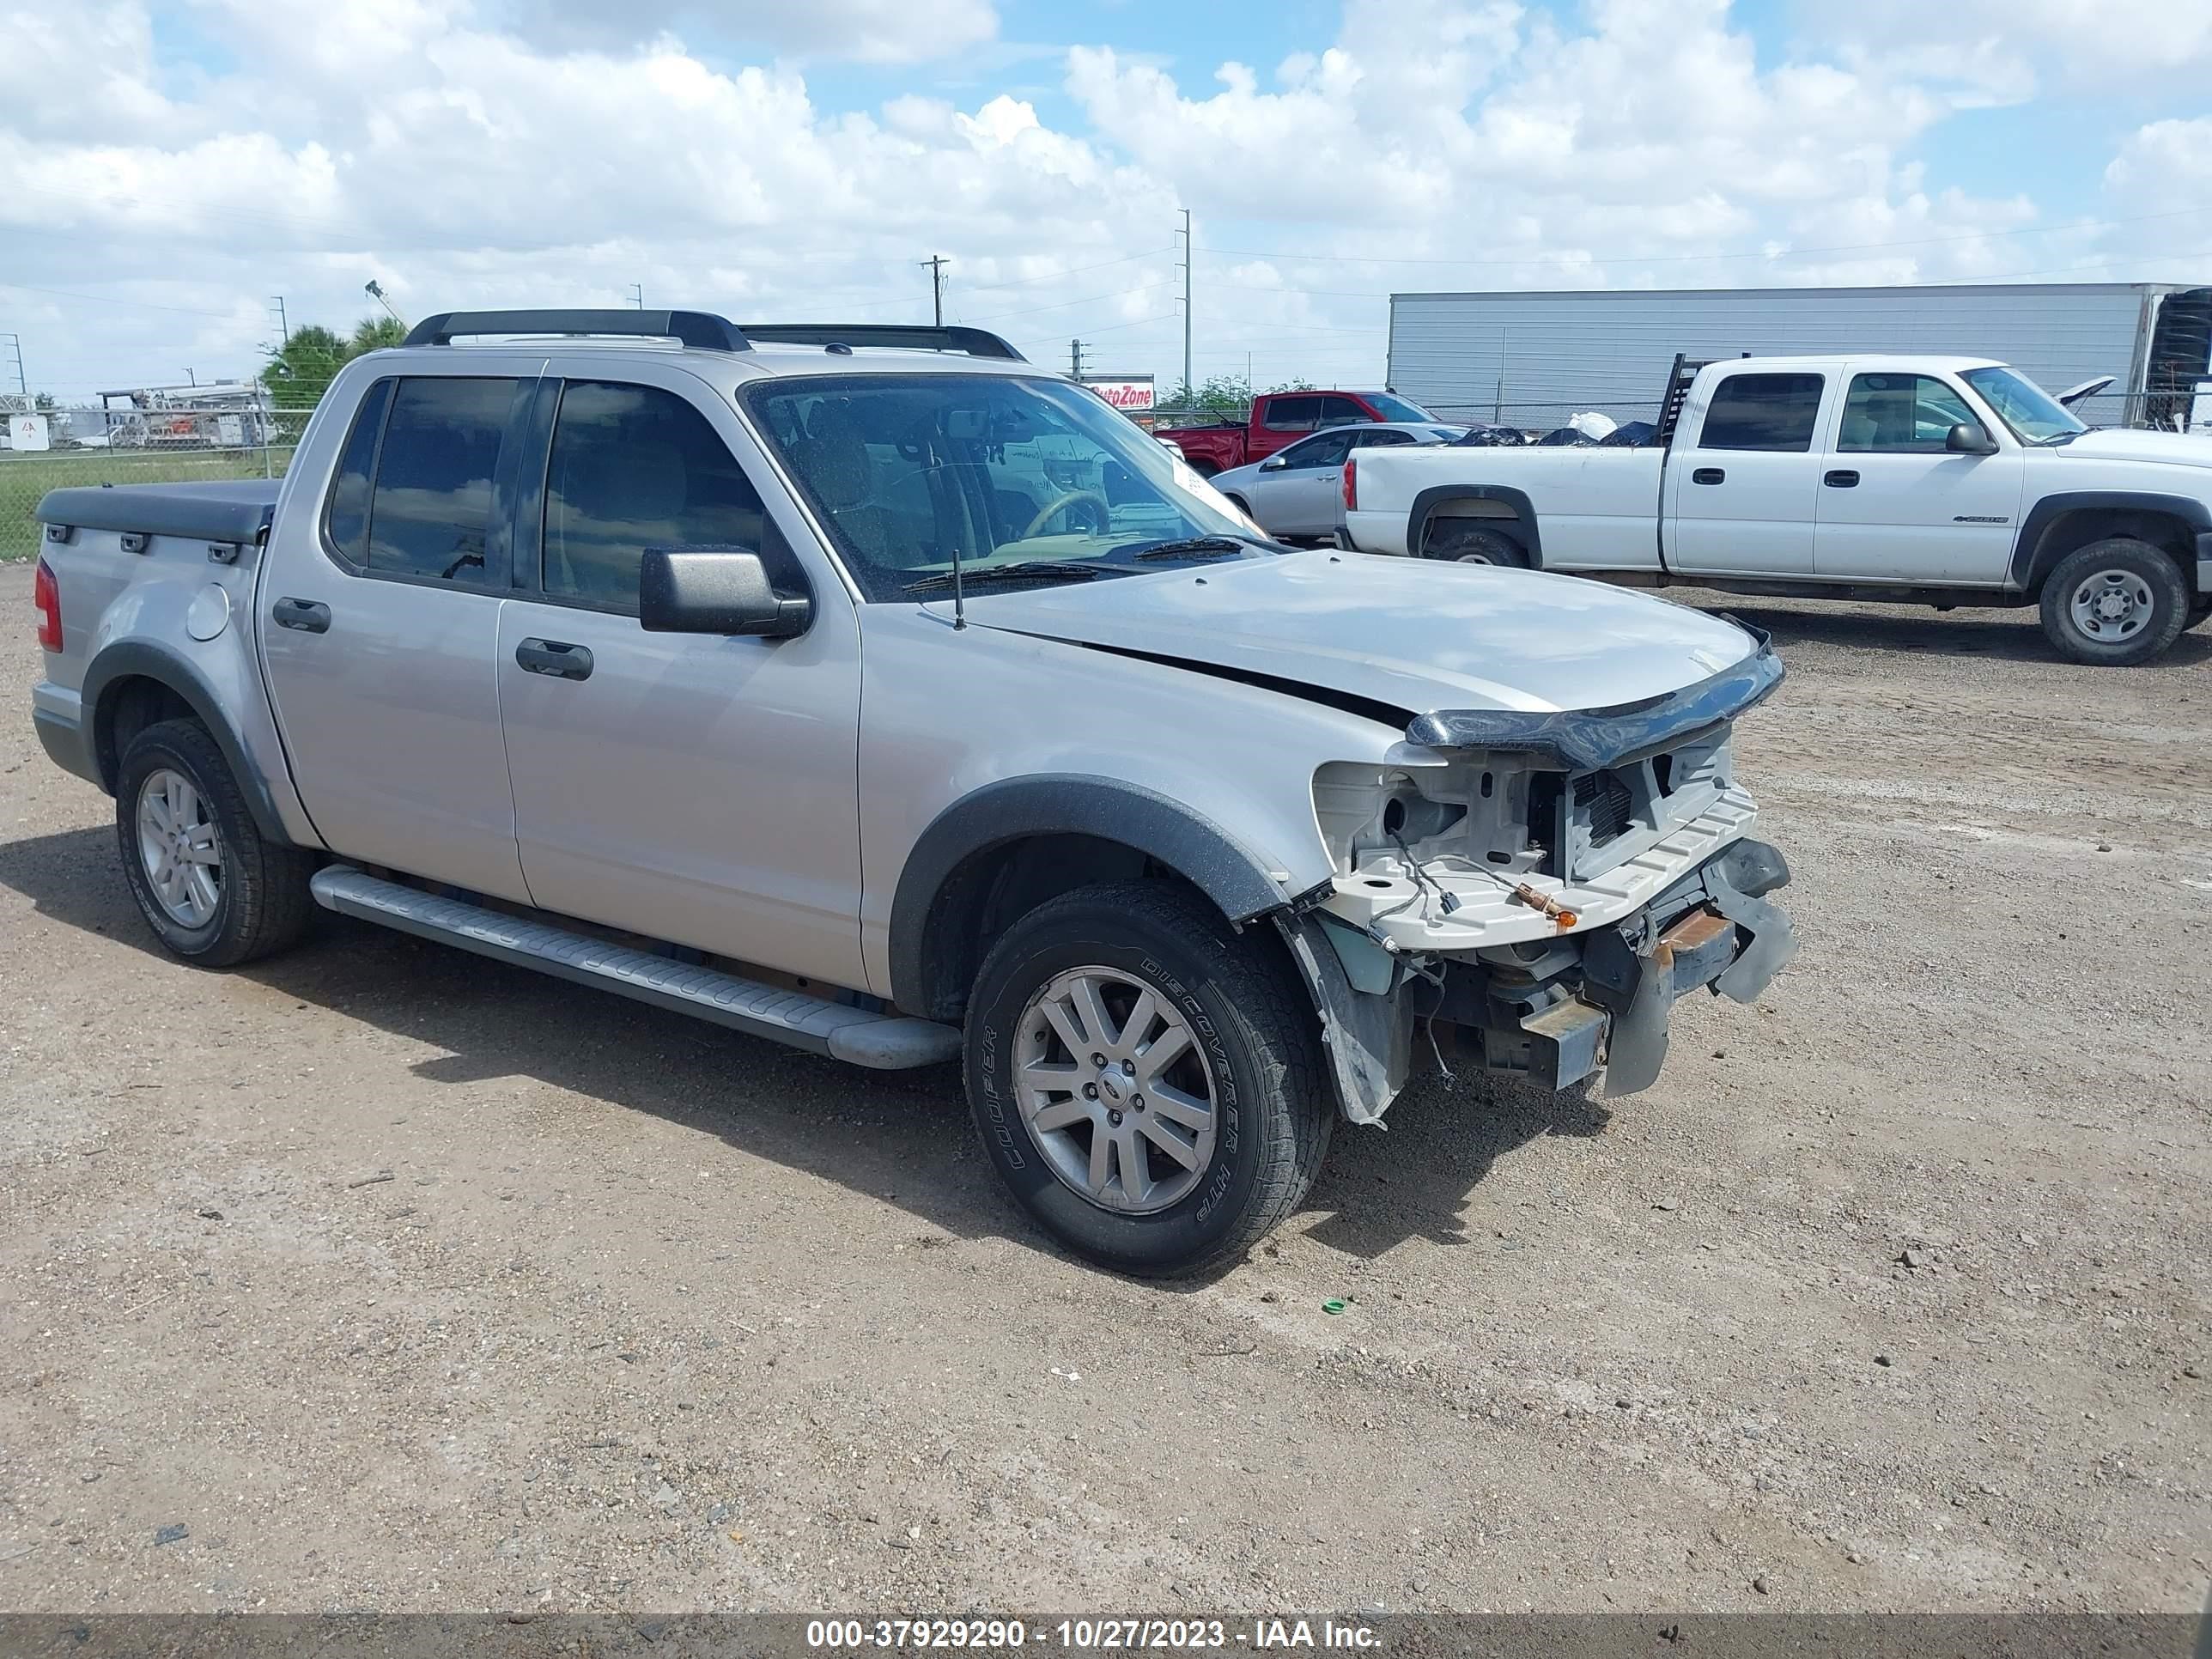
column 463, row 153
column 2009, row 48
column 868, row 31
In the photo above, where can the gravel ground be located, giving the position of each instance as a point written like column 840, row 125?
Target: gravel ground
column 379, row 1276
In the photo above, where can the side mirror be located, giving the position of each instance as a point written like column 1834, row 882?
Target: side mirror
column 1967, row 439
column 1273, row 464
column 716, row 590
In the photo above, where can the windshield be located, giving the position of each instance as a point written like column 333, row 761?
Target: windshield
column 1391, row 407
column 2034, row 415
column 1033, row 481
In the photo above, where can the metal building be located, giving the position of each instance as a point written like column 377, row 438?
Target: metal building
column 1531, row 359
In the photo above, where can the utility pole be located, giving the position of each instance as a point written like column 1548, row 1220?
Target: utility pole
column 637, row 294
column 1075, row 359
column 935, row 265
column 283, row 323
column 1186, row 263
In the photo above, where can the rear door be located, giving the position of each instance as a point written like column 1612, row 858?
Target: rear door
column 693, row 788
column 1741, row 494
column 1896, row 505
column 380, row 629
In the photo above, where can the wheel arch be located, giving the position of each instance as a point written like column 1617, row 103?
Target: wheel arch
column 1007, row 847
column 133, row 685
column 2060, row 524
column 1498, row 507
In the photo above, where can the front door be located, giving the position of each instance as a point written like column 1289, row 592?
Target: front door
column 380, row 631
column 692, row 787
column 1740, row 494
column 1897, row 506
column 1300, row 497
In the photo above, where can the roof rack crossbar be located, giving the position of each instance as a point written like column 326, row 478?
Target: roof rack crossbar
column 701, row 330
column 916, row 337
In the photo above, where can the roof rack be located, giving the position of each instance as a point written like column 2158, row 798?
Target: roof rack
column 914, row 337
column 702, row 330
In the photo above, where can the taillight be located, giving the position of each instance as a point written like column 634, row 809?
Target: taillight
column 46, row 597
column 1351, row 484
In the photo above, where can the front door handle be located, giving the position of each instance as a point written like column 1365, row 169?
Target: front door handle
column 562, row 662
column 308, row 615
column 1842, row 478
column 1707, row 475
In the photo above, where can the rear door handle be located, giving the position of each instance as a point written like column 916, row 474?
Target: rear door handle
column 562, row 662
column 1707, row 475
column 308, row 615
column 1843, row 479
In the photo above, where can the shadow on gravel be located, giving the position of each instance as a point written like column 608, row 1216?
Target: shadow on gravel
column 1413, row 1179
column 2012, row 635
column 903, row 1137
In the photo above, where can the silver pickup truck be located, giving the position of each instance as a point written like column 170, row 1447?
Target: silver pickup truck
column 868, row 689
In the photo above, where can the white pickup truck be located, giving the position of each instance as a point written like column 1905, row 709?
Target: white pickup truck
column 1945, row 481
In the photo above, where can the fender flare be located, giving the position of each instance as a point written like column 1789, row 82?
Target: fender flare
column 1426, row 503
column 128, row 660
column 1236, row 879
column 2030, row 565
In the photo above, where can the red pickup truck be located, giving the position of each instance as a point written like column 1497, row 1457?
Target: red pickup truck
column 1282, row 417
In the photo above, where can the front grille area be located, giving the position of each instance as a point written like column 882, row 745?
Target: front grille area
column 1605, row 803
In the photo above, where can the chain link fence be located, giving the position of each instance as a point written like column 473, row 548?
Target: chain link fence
column 132, row 446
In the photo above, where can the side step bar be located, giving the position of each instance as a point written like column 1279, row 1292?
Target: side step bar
column 884, row 1042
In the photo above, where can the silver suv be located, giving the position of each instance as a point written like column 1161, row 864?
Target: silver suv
column 869, row 690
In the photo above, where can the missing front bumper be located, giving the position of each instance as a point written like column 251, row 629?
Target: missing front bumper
column 1604, row 1003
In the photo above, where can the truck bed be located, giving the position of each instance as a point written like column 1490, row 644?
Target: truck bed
column 224, row 510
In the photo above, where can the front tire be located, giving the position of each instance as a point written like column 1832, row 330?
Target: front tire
column 1147, row 1083
column 215, row 890
column 2114, row 602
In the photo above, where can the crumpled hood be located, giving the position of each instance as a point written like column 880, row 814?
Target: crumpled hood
column 2131, row 444
column 1409, row 633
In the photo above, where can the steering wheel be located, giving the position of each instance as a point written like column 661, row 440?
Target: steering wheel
column 1101, row 524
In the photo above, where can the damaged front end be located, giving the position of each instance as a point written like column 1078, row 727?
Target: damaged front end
column 1534, row 891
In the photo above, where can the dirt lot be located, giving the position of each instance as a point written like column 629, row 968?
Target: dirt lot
column 379, row 1276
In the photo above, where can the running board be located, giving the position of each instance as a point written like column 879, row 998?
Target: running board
column 884, row 1042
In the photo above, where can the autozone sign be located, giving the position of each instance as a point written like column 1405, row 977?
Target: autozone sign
column 1130, row 393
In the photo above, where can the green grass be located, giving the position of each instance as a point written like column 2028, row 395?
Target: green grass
column 24, row 479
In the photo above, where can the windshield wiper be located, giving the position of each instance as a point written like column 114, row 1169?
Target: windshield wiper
column 1043, row 570
column 2057, row 438
column 1190, row 547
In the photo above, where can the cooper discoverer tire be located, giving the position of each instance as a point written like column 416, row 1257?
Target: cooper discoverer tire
column 2114, row 602
column 215, row 890
column 1074, row 1020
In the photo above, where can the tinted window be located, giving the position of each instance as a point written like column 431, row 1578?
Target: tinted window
column 635, row 467
column 1380, row 440
column 1317, row 452
column 346, row 520
column 1336, row 411
column 1909, row 413
column 1763, row 411
column 431, row 510
column 1391, row 407
column 1293, row 414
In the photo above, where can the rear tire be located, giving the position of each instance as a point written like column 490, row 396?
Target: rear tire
column 1477, row 547
column 1244, row 1044
column 2114, row 602
column 214, row 889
